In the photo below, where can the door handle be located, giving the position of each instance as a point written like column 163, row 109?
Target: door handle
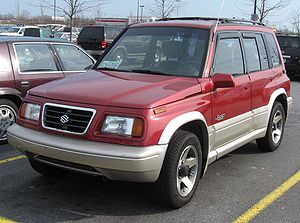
column 24, row 83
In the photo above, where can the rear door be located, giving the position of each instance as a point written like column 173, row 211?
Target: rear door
column 34, row 64
column 231, row 107
column 261, row 76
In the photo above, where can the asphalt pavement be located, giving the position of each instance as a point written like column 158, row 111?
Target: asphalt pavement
column 230, row 187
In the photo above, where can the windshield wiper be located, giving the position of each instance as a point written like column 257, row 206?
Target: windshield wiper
column 151, row 72
column 112, row 69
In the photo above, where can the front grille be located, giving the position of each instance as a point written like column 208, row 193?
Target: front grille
column 67, row 118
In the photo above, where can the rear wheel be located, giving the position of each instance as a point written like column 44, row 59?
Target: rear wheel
column 45, row 169
column 181, row 171
column 8, row 116
column 275, row 129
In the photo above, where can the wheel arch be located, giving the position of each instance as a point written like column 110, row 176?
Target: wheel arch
column 279, row 95
column 12, row 95
column 193, row 122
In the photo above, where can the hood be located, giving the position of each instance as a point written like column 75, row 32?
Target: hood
column 131, row 90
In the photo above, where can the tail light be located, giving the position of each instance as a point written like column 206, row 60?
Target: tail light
column 103, row 44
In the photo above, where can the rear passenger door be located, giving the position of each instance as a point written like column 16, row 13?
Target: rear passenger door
column 231, row 107
column 261, row 76
column 34, row 64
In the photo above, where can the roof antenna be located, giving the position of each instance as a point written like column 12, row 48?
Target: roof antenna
column 221, row 9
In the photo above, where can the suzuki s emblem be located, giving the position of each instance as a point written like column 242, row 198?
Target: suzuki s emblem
column 64, row 119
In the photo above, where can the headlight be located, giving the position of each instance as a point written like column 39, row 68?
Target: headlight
column 30, row 111
column 120, row 125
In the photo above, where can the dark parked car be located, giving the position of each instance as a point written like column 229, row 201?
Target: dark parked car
column 95, row 39
column 290, row 46
column 27, row 62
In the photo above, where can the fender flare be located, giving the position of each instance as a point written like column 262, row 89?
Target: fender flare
column 177, row 122
column 11, row 91
column 275, row 94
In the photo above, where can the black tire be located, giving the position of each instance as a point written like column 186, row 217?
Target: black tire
column 45, row 169
column 165, row 189
column 267, row 143
column 8, row 116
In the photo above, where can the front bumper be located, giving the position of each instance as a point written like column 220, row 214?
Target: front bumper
column 116, row 162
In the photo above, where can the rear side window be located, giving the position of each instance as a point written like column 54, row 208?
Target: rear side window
column 32, row 32
column 35, row 58
column 289, row 42
column 252, row 55
column 262, row 52
column 73, row 58
column 92, row 32
column 112, row 32
column 273, row 50
column 228, row 58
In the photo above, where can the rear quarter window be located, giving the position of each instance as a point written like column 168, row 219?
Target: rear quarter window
column 275, row 61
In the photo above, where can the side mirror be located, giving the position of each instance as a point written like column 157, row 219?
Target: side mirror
column 51, row 36
column 223, row 80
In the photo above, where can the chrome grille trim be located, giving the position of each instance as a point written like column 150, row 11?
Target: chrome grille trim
column 70, row 107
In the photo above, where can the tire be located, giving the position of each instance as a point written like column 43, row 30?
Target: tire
column 45, row 169
column 8, row 116
column 170, row 189
column 157, row 55
column 275, row 130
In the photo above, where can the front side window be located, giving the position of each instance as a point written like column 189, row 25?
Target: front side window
column 73, row 58
column 273, row 50
column 174, row 51
column 252, row 56
column 228, row 58
column 35, row 58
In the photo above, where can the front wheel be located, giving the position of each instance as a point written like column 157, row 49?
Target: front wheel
column 181, row 171
column 275, row 130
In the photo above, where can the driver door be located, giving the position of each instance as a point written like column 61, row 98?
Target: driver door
column 231, row 107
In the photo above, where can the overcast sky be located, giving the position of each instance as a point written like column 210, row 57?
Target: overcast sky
column 123, row 8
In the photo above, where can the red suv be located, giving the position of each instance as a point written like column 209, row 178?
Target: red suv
column 216, row 85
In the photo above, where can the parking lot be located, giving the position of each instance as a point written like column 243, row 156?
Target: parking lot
column 231, row 186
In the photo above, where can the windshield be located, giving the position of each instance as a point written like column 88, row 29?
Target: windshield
column 13, row 30
column 172, row 51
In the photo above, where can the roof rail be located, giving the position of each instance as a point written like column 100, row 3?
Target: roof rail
column 221, row 20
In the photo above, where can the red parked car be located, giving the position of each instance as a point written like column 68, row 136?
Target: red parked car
column 26, row 62
column 216, row 86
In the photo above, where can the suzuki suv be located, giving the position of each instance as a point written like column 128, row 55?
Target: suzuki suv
column 216, row 85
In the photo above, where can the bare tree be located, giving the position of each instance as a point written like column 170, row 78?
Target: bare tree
column 18, row 9
column 265, row 7
column 71, row 8
column 165, row 8
column 296, row 21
